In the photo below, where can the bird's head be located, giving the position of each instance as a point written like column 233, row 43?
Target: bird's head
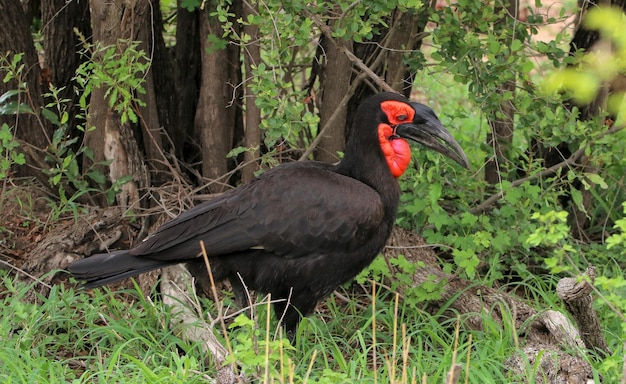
column 400, row 119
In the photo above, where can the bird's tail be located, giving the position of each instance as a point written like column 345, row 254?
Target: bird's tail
column 105, row 268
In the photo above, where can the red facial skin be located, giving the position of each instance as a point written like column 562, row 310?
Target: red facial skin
column 396, row 150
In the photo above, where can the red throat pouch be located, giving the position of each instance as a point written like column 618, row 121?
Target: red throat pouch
column 397, row 151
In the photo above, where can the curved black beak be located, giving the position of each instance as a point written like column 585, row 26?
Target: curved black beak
column 427, row 130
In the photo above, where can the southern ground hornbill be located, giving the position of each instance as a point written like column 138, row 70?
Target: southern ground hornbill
column 302, row 229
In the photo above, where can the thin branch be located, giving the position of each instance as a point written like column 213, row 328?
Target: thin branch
column 327, row 31
column 333, row 117
column 38, row 280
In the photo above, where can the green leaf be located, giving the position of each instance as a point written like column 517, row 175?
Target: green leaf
column 468, row 219
column 50, row 116
column 614, row 240
column 439, row 219
column 236, row 151
column 516, row 45
column 577, row 197
column 482, row 238
column 97, row 176
column 513, row 195
column 8, row 94
column 19, row 158
column 534, row 239
column 434, row 193
column 501, row 242
column 5, row 133
column 13, row 108
column 528, row 66
column 597, row 179
column 494, row 46
column 66, row 161
column 606, row 19
column 88, row 152
column 584, row 85
column 467, row 260
column 215, row 43
column 5, row 164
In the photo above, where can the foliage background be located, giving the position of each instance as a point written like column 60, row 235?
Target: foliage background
column 540, row 122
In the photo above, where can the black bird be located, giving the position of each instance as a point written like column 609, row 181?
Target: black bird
column 301, row 229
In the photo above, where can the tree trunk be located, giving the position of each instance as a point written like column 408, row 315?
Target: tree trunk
column 32, row 10
column 369, row 58
column 141, row 28
column 188, row 55
column 501, row 122
column 406, row 35
column 28, row 127
column 501, row 136
column 112, row 140
column 252, row 132
column 163, row 78
column 215, row 118
column 61, row 46
column 334, row 83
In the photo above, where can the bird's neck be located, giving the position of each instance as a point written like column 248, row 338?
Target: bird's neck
column 373, row 171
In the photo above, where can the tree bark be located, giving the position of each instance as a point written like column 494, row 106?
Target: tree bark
column 407, row 36
column 32, row 10
column 61, row 49
column 27, row 127
column 163, row 79
column 335, row 79
column 500, row 137
column 112, row 140
column 187, row 72
column 252, row 131
column 215, row 118
column 501, row 122
column 578, row 300
column 141, row 28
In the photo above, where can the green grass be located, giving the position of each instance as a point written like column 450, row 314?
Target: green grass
column 102, row 336
column 89, row 337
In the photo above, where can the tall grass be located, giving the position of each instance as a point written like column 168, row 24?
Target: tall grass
column 102, row 336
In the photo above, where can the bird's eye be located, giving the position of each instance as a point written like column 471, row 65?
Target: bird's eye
column 401, row 117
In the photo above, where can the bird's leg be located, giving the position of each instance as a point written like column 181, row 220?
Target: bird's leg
column 291, row 310
column 289, row 317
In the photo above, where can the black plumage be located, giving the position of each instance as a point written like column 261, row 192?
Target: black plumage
column 299, row 230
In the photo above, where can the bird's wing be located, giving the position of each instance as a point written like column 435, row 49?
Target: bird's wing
column 290, row 211
column 216, row 219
